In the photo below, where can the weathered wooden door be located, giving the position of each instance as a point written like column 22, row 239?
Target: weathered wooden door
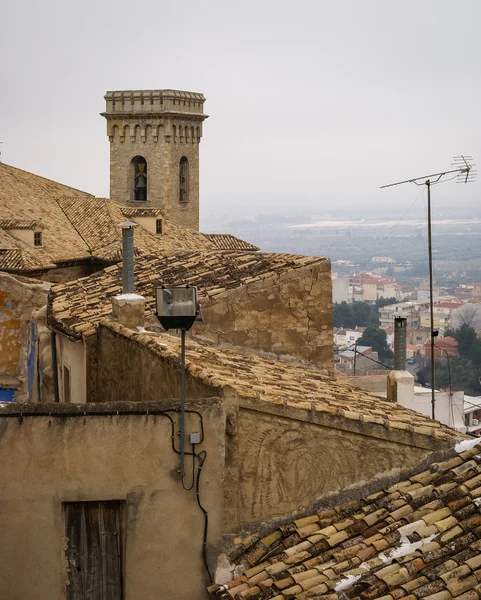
column 94, row 550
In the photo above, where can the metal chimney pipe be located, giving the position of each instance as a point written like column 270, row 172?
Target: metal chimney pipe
column 400, row 343
column 128, row 284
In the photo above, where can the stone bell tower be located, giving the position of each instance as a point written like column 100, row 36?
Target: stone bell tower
column 154, row 151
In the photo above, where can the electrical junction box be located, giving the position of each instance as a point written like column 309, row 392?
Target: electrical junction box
column 195, row 438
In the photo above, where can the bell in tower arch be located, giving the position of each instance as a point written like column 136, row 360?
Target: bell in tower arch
column 140, row 178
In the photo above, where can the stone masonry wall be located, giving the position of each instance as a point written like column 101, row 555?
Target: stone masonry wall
column 163, row 168
column 287, row 314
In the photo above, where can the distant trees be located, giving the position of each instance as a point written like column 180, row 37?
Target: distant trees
column 460, row 372
column 468, row 314
column 377, row 339
column 358, row 314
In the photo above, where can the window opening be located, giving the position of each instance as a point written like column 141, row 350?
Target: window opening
column 37, row 238
column 158, row 226
column 139, row 171
column 184, row 180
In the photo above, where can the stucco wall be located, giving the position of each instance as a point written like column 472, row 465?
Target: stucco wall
column 125, row 457
column 19, row 298
column 287, row 314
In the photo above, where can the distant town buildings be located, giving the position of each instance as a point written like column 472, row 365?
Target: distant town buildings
column 383, row 259
column 468, row 290
column 364, row 287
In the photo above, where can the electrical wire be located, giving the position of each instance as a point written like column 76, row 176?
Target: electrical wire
column 389, row 234
column 201, row 458
column 373, row 360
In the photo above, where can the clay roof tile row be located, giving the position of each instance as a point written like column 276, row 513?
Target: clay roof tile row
column 420, row 538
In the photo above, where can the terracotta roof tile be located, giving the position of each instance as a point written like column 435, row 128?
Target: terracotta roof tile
column 89, row 299
column 436, row 557
column 77, row 227
column 19, row 224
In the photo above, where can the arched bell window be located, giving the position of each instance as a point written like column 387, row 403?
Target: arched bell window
column 138, row 167
column 184, row 180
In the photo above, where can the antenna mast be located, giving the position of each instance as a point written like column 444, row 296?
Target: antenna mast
column 464, row 173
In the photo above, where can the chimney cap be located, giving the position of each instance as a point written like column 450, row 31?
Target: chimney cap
column 128, row 224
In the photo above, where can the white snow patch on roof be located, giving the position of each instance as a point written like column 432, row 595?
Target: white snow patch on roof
column 347, row 582
column 405, row 548
column 466, row 445
column 350, row 580
column 135, row 297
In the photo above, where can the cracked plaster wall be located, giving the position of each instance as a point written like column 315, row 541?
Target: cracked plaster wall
column 19, row 298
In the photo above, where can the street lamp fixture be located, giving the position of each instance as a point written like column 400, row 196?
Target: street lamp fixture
column 177, row 308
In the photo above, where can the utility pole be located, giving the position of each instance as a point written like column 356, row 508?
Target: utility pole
column 355, row 356
column 431, row 302
column 464, row 172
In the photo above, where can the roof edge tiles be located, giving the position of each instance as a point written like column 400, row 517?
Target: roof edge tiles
column 214, row 272
column 283, row 387
column 141, row 212
column 227, row 241
column 10, row 224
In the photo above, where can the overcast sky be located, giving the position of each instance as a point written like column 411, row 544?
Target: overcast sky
column 313, row 104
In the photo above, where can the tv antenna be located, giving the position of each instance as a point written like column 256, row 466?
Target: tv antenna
column 464, row 172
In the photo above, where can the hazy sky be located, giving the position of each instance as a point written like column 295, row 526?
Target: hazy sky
column 312, row 104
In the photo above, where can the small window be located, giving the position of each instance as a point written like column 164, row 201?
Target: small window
column 158, row 226
column 37, row 238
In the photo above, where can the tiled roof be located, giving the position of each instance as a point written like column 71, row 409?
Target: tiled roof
column 97, row 221
column 226, row 241
column 87, row 300
column 18, row 260
column 76, row 225
column 26, row 197
column 16, row 255
column 420, row 538
column 285, row 384
column 141, row 212
column 19, row 224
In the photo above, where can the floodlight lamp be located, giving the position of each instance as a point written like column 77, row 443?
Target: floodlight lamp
column 176, row 307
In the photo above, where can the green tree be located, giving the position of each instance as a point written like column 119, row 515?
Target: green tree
column 358, row 314
column 465, row 336
column 377, row 339
column 342, row 315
